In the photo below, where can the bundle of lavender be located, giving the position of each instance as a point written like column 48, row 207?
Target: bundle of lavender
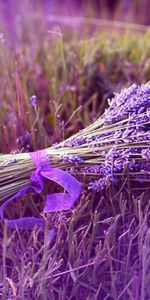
column 119, row 138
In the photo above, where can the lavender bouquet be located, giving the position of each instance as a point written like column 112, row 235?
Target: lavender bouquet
column 119, row 139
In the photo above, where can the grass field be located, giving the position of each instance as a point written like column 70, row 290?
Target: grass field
column 101, row 248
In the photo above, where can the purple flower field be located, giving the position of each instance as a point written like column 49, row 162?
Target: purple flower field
column 74, row 219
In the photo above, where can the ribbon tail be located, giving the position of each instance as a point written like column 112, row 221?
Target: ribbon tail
column 21, row 223
column 58, row 202
column 62, row 201
column 24, row 223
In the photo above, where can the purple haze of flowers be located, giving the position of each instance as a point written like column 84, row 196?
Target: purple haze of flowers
column 123, row 136
column 130, row 103
column 129, row 116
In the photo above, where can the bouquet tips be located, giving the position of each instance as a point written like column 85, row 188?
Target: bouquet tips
column 119, row 138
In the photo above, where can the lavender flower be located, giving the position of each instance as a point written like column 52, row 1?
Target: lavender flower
column 72, row 158
column 75, row 142
column 57, row 145
column 97, row 185
column 33, row 100
column 120, row 138
column 91, row 170
column 131, row 101
column 7, row 163
column 146, row 153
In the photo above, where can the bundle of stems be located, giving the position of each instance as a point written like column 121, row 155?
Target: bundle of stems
column 119, row 138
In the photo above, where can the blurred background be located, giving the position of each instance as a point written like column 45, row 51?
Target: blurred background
column 53, row 11
column 122, row 9
column 125, row 10
column 13, row 13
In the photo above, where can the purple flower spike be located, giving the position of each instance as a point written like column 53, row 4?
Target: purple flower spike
column 146, row 154
column 97, row 185
column 72, row 158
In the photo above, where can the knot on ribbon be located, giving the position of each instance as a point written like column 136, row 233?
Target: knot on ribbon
column 54, row 202
column 35, row 175
column 36, row 178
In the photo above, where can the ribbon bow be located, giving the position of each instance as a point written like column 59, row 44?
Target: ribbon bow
column 54, row 202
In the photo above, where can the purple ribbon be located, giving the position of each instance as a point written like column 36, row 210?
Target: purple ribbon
column 54, row 202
